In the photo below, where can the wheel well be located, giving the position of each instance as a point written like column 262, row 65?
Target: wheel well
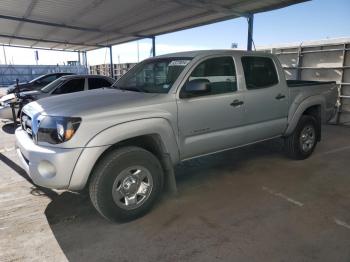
column 151, row 143
column 315, row 111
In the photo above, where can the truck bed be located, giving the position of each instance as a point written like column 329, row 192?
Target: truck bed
column 297, row 83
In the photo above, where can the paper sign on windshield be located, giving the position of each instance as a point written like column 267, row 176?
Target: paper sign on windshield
column 179, row 63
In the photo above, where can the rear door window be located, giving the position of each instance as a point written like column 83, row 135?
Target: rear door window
column 95, row 83
column 259, row 72
column 71, row 86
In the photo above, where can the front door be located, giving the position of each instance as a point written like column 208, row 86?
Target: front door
column 207, row 121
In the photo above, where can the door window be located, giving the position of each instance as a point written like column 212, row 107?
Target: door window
column 74, row 85
column 220, row 74
column 259, row 72
column 95, row 83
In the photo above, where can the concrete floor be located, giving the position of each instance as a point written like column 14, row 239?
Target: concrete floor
column 250, row 204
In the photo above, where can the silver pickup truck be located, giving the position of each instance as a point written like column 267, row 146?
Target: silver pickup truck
column 123, row 142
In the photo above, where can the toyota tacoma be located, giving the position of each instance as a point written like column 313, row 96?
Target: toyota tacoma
column 122, row 142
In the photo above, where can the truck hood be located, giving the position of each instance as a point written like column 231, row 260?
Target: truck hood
column 89, row 103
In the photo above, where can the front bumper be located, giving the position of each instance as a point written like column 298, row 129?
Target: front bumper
column 50, row 167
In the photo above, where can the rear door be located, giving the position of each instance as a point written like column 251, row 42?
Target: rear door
column 266, row 98
column 207, row 122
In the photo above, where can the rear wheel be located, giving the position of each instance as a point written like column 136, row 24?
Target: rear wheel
column 302, row 142
column 126, row 183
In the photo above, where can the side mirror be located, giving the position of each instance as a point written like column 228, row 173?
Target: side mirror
column 198, row 87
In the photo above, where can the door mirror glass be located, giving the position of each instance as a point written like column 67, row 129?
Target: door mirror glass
column 198, row 86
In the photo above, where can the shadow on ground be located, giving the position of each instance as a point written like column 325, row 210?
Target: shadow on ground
column 9, row 128
column 165, row 233
column 35, row 189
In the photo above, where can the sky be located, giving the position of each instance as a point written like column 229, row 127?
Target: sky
column 313, row 20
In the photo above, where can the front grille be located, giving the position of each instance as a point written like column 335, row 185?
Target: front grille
column 26, row 123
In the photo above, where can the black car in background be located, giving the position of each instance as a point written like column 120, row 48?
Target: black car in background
column 36, row 83
column 63, row 85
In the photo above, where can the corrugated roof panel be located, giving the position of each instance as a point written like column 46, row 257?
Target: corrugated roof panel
column 57, row 11
column 89, row 24
column 33, row 30
column 7, row 26
column 13, row 7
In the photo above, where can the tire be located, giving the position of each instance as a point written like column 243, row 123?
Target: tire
column 308, row 128
column 120, row 174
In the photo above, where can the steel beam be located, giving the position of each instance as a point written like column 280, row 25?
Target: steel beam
column 39, row 48
column 208, row 6
column 39, row 22
column 111, row 61
column 50, row 41
column 250, row 32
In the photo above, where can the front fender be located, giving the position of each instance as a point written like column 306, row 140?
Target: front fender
column 297, row 110
column 115, row 134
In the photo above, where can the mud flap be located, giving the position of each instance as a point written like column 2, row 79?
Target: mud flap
column 170, row 181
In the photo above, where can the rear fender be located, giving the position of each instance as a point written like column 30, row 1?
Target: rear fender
column 297, row 110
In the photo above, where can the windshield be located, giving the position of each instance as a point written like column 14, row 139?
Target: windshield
column 153, row 76
column 37, row 78
column 50, row 87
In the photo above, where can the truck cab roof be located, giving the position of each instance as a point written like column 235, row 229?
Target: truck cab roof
column 204, row 53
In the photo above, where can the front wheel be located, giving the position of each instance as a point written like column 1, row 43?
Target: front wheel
column 302, row 142
column 126, row 183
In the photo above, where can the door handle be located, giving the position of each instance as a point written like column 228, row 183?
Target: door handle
column 237, row 103
column 280, row 96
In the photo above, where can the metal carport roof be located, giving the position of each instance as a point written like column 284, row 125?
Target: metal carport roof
column 83, row 25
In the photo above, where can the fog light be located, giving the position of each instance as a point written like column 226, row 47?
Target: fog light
column 46, row 169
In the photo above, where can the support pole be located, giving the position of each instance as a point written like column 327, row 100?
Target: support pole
column 3, row 49
column 250, row 32
column 153, row 46
column 79, row 58
column 299, row 62
column 85, row 56
column 341, row 86
column 111, row 61
column 85, row 61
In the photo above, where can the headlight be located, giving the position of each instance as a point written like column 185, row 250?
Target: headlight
column 56, row 130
